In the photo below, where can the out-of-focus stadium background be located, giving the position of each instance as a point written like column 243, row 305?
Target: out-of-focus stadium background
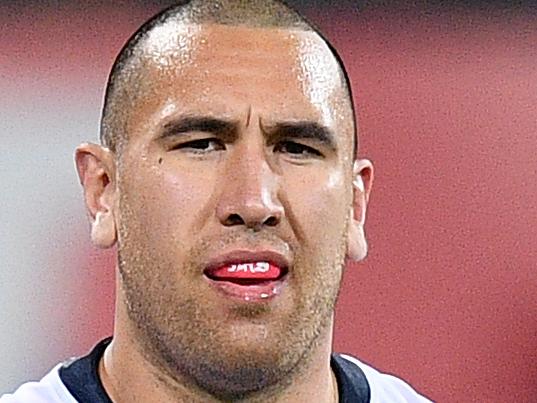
column 447, row 99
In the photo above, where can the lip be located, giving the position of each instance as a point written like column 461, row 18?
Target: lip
column 259, row 292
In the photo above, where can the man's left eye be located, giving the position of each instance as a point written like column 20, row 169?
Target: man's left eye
column 296, row 149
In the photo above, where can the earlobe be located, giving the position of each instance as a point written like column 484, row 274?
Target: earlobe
column 96, row 170
column 103, row 230
column 356, row 243
column 362, row 181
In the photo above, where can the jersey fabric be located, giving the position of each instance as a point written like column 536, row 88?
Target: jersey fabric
column 78, row 381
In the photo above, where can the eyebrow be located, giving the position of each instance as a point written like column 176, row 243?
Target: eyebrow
column 298, row 130
column 204, row 124
column 302, row 130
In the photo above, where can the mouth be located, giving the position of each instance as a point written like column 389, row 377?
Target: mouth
column 248, row 276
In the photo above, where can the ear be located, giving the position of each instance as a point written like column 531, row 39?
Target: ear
column 362, row 182
column 96, row 170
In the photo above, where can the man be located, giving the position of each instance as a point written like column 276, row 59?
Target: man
column 228, row 179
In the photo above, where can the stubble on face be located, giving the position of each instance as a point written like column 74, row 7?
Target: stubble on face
column 176, row 318
column 187, row 341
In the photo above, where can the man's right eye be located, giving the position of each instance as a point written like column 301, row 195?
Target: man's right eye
column 200, row 146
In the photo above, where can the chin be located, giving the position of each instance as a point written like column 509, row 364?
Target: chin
column 247, row 360
column 243, row 372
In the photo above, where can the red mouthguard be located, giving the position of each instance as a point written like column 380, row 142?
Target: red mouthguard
column 250, row 270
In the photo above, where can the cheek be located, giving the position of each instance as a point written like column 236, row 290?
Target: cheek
column 319, row 201
column 165, row 204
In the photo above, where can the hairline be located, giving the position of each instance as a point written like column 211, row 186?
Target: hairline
column 128, row 53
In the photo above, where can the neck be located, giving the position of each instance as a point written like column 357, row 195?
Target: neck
column 129, row 376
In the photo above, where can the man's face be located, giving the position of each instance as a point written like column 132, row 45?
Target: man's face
column 239, row 147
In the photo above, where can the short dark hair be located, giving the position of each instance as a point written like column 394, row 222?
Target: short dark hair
column 253, row 13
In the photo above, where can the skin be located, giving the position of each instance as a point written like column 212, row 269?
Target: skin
column 172, row 203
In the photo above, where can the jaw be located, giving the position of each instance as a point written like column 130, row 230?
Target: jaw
column 141, row 362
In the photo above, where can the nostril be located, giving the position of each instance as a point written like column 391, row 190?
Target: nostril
column 234, row 219
column 271, row 221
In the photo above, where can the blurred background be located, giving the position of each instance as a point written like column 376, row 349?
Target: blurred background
column 447, row 103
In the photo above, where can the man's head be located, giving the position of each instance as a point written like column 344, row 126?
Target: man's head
column 229, row 133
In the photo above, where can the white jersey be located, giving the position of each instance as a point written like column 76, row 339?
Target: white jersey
column 386, row 388
column 357, row 382
column 49, row 389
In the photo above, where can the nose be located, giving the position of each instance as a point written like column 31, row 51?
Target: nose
column 249, row 194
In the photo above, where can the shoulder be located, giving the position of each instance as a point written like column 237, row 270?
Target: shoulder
column 384, row 387
column 49, row 390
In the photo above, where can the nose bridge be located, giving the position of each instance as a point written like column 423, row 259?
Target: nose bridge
column 249, row 193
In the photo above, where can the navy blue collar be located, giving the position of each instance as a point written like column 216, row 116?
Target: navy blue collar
column 81, row 378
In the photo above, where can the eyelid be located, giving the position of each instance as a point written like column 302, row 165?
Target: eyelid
column 189, row 143
column 310, row 151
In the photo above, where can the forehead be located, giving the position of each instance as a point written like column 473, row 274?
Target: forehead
column 211, row 68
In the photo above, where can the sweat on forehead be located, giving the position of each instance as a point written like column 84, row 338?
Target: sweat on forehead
column 170, row 39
